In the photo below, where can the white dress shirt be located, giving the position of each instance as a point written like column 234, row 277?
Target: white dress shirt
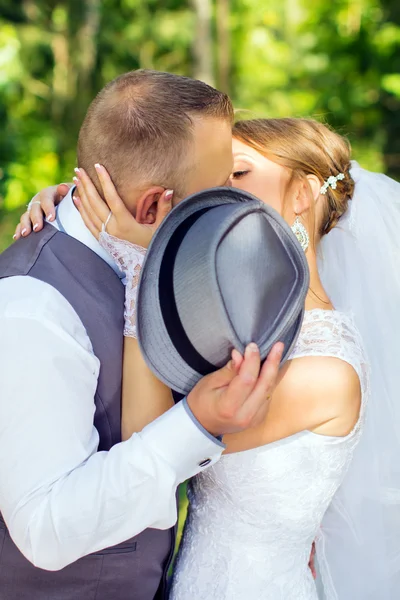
column 60, row 497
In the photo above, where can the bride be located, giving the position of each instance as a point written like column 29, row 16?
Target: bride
column 306, row 473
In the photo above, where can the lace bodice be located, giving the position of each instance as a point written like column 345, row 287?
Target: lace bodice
column 254, row 515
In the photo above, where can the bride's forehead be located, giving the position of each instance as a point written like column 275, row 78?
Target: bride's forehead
column 239, row 146
column 242, row 151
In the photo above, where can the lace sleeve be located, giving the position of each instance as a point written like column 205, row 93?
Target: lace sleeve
column 129, row 258
column 332, row 333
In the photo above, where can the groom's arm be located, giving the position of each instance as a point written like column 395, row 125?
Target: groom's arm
column 60, row 497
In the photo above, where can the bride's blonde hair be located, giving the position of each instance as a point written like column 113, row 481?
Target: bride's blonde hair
column 307, row 147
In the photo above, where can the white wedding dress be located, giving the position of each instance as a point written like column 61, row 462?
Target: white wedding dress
column 254, row 515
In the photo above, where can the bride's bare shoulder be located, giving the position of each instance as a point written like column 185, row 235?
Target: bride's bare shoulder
column 314, row 393
column 318, row 393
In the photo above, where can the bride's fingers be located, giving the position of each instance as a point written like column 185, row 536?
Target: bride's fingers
column 62, row 191
column 17, row 233
column 90, row 214
column 164, row 207
column 94, row 229
column 111, row 195
column 36, row 216
column 92, row 200
column 26, row 225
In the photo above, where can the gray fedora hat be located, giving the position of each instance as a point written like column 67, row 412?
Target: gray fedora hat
column 222, row 270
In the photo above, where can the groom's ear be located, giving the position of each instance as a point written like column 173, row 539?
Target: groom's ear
column 147, row 205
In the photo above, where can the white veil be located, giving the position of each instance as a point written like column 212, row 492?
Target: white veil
column 359, row 548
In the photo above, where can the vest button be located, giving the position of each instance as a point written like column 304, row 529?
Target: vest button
column 205, row 462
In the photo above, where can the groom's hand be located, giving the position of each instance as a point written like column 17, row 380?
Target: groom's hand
column 237, row 396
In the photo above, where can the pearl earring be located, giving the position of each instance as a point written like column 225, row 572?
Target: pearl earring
column 301, row 233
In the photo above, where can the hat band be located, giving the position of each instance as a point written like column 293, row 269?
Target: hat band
column 168, row 306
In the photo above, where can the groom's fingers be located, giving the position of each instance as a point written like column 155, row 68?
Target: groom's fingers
column 241, row 386
column 237, row 359
column 222, row 378
column 257, row 403
column 239, row 376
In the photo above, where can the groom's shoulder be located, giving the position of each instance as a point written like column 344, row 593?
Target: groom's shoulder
column 19, row 258
column 25, row 298
column 22, row 291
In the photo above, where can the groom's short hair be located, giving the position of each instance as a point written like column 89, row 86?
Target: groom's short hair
column 140, row 125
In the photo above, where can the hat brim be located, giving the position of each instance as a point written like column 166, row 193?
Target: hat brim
column 155, row 342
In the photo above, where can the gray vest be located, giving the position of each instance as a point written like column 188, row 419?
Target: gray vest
column 135, row 569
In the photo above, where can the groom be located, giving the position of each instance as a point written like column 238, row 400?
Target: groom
column 84, row 515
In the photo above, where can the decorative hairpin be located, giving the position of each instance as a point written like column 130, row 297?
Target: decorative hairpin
column 331, row 182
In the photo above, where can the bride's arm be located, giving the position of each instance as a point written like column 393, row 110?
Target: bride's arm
column 144, row 397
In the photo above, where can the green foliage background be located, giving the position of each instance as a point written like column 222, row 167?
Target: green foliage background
column 338, row 61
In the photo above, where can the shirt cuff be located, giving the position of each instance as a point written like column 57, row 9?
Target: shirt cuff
column 217, row 440
column 179, row 439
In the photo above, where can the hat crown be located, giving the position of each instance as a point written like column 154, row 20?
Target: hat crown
column 218, row 273
column 232, row 258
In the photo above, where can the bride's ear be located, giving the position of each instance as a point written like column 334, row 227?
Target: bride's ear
column 315, row 186
column 303, row 200
column 147, row 205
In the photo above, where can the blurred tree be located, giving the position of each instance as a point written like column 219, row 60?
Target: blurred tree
column 223, row 44
column 388, row 61
column 203, row 67
column 338, row 61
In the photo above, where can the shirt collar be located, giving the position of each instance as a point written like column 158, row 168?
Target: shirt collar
column 70, row 222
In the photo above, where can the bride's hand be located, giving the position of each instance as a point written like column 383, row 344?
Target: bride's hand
column 42, row 206
column 121, row 224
